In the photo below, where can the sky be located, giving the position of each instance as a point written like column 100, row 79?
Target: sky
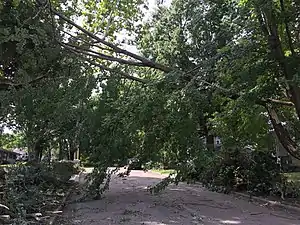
column 6, row 130
column 152, row 6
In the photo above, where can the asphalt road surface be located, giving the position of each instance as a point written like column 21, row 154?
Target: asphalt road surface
column 128, row 202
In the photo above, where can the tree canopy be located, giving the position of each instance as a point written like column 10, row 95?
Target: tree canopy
column 219, row 68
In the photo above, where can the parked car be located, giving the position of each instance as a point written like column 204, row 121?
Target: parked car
column 135, row 164
column 23, row 157
column 7, row 157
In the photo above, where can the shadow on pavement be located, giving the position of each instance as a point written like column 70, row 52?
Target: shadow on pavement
column 129, row 202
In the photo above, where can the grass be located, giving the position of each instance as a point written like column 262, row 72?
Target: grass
column 294, row 177
column 162, row 171
column 13, row 165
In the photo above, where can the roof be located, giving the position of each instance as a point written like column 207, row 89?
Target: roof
column 19, row 151
column 7, row 151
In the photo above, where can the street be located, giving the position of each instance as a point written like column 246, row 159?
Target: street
column 129, row 202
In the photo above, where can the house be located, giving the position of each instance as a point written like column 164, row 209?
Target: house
column 8, row 157
column 22, row 154
column 216, row 140
column 286, row 160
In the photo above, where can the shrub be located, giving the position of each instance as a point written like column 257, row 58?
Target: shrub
column 292, row 189
column 241, row 170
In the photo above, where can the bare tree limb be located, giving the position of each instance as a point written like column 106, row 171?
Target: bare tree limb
column 123, row 74
column 89, row 43
column 146, row 62
column 283, row 136
column 279, row 102
column 101, row 55
column 230, row 92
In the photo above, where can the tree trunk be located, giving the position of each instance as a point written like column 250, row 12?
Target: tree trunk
column 210, row 142
column 61, row 150
column 283, row 135
column 287, row 68
column 38, row 150
column 72, row 150
column 71, row 155
column 288, row 65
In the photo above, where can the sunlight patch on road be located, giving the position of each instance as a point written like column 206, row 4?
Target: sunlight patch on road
column 230, row 222
column 142, row 187
column 75, row 178
column 153, row 223
column 177, row 189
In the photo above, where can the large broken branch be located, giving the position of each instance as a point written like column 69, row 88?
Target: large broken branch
column 122, row 74
column 279, row 102
column 80, row 39
column 230, row 93
column 283, row 135
column 101, row 55
column 270, row 24
column 146, row 62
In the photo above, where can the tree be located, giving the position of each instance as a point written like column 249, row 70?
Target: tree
column 242, row 52
column 41, row 81
column 207, row 69
column 270, row 60
column 9, row 141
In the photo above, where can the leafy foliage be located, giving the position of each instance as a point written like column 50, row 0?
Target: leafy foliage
column 256, row 172
column 9, row 141
column 232, row 72
column 27, row 188
column 97, row 182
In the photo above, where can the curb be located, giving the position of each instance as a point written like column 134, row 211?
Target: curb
column 62, row 205
column 271, row 203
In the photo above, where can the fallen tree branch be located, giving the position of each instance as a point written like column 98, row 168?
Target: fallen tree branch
column 4, row 207
column 283, row 136
column 4, row 219
column 123, row 74
column 146, row 62
column 280, row 102
column 89, row 43
column 101, row 55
